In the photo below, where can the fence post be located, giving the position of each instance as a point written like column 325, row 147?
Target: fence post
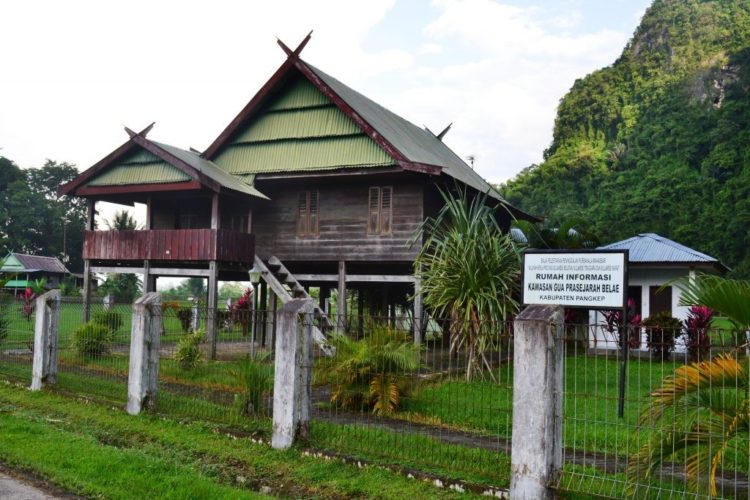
column 143, row 372
column 293, row 372
column 536, row 450
column 46, row 328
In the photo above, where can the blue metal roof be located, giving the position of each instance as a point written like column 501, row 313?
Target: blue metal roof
column 652, row 248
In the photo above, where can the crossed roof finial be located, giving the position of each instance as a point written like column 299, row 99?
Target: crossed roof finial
column 294, row 53
column 142, row 133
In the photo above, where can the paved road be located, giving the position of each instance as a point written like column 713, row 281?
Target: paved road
column 13, row 489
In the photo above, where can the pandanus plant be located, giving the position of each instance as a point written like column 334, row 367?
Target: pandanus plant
column 470, row 272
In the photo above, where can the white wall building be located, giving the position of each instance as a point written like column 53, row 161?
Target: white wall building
column 654, row 262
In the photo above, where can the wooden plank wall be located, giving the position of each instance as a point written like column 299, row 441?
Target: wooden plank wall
column 169, row 245
column 343, row 222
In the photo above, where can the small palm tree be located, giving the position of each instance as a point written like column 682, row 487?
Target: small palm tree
column 370, row 373
column 702, row 414
column 469, row 271
column 729, row 297
column 121, row 221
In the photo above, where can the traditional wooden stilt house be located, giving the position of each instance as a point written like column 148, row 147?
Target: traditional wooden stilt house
column 312, row 182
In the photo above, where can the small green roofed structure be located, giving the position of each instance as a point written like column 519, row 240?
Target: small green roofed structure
column 25, row 268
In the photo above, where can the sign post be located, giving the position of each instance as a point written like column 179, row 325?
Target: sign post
column 588, row 279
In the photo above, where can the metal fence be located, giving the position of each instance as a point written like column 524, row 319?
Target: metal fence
column 383, row 398
column 682, row 429
column 16, row 338
column 443, row 407
column 234, row 388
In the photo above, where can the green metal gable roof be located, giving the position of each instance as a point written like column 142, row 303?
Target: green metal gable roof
column 299, row 93
column 300, row 130
column 138, row 167
column 211, row 170
column 417, row 144
column 142, row 166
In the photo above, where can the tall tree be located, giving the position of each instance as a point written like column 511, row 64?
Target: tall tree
column 121, row 221
column 34, row 218
column 123, row 287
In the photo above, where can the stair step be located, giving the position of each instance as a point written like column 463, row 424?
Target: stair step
column 274, row 261
column 279, row 278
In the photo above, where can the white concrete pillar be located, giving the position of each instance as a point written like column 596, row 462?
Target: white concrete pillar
column 145, row 340
column 536, row 450
column 46, row 329
column 293, row 373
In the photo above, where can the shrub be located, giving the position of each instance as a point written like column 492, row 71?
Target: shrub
column 188, row 353
column 92, row 339
column 185, row 315
column 661, row 330
column 224, row 319
column 255, row 376
column 696, row 327
column 242, row 309
column 68, row 287
column 370, row 373
column 613, row 324
column 4, row 324
column 110, row 319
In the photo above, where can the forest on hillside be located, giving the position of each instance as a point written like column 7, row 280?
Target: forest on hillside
column 660, row 140
column 34, row 219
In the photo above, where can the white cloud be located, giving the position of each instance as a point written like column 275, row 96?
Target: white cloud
column 80, row 70
column 502, row 93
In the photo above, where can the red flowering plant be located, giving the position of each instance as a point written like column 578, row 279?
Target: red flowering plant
column 696, row 327
column 613, row 322
column 242, row 308
column 28, row 303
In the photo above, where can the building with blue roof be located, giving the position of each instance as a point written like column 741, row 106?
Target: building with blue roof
column 654, row 263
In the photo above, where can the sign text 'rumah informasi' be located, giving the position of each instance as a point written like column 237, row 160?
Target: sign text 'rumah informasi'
column 593, row 279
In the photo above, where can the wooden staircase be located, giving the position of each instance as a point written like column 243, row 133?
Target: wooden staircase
column 278, row 277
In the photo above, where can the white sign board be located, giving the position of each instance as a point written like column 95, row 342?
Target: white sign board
column 591, row 279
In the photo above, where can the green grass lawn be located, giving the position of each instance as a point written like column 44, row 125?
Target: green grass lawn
column 98, row 451
column 590, row 420
column 21, row 329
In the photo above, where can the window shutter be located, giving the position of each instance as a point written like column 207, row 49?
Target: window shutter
column 373, row 219
column 386, row 195
column 302, row 219
column 314, row 213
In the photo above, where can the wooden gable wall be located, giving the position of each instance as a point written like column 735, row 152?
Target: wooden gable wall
column 342, row 232
column 300, row 129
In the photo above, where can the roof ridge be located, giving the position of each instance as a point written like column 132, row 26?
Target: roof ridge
column 678, row 246
column 467, row 170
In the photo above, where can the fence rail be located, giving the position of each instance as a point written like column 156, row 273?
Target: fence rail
column 443, row 406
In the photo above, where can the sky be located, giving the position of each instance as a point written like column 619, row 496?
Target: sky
column 74, row 73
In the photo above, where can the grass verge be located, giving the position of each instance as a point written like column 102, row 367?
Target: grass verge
column 93, row 450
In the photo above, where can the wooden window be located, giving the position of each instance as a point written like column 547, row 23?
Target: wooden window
column 634, row 292
column 660, row 300
column 308, row 213
column 380, row 216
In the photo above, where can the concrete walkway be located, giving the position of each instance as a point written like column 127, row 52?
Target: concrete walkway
column 14, row 489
